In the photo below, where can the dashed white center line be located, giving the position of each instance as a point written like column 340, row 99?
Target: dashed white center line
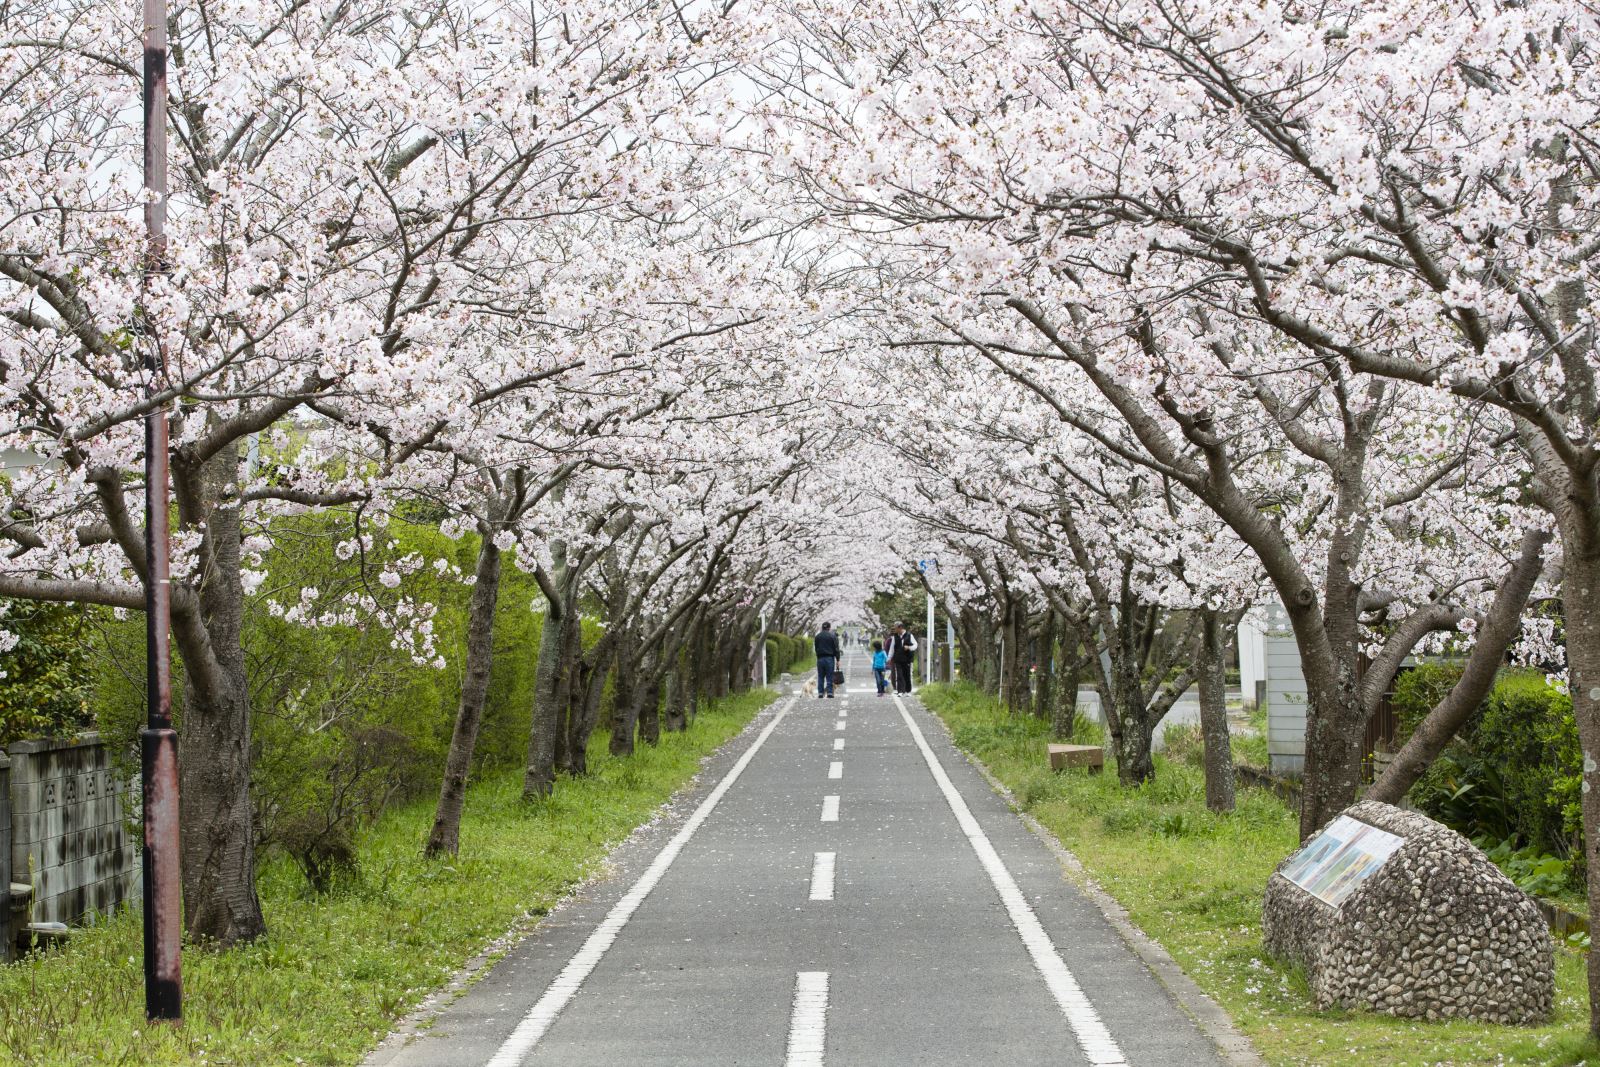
column 836, row 769
column 838, row 744
column 830, row 808
column 822, row 876
column 839, row 725
column 808, row 1022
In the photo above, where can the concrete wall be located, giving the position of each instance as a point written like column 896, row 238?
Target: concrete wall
column 68, row 836
column 1286, row 695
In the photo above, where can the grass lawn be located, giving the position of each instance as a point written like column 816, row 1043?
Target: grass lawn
column 1194, row 882
column 335, row 972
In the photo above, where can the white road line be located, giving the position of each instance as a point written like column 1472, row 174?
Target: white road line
column 836, row 768
column 838, row 744
column 830, row 809
column 1092, row 1035
column 572, row 976
column 839, row 725
column 822, row 876
column 808, row 1021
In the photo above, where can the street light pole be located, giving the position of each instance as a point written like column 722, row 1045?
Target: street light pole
column 158, row 742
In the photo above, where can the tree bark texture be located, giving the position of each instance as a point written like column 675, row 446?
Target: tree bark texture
column 649, row 716
column 1130, row 727
column 539, row 776
column 586, row 712
column 1050, row 663
column 1580, row 595
column 624, row 704
column 566, row 685
column 445, row 836
column 218, row 824
column 1218, row 756
column 1064, row 710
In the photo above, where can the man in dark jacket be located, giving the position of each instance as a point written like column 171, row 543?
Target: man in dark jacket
column 902, row 650
column 826, row 646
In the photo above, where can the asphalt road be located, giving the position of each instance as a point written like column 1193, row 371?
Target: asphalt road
column 840, row 887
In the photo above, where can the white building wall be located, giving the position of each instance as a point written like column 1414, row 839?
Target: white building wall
column 1252, row 654
column 1286, row 695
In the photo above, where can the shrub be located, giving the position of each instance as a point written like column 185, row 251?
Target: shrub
column 1419, row 688
column 1527, row 730
column 45, row 677
column 345, row 724
column 784, row 651
column 1513, row 772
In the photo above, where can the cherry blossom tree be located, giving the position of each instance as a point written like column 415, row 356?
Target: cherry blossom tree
column 1008, row 182
column 340, row 170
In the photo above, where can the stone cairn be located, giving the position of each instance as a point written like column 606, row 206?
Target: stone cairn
column 1437, row 932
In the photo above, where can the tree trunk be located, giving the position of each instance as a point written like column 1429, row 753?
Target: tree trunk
column 445, row 837
column 1580, row 596
column 584, row 715
column 1214, row 713
column 1009, row 674
column 1133, row 731
column 679, row 688
column 1122, row 699
column 539, row 777
column 1064, row 712
column 624, row 704
column 567, row 684
column 1335, row 725
column 217, row 816
column 649, row 715
column 1045, row 680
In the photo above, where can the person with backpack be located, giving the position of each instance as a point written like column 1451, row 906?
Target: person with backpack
column 902, row 650
column 826, row 646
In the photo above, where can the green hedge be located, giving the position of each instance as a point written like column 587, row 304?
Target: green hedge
column 344, row 724
column 46, row 676
column 1513, row 772
column 784, row 651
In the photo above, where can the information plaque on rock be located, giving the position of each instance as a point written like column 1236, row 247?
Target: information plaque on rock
column 1345, row 854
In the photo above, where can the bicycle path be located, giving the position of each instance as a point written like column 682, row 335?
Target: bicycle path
column 840, row 887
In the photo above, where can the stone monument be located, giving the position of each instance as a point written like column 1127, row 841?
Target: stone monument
column 1391, row 912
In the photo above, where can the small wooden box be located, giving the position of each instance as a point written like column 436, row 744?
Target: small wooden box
column 1090, row 756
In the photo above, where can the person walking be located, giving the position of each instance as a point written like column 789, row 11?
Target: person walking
column 902, row 650
column 880, row 667
column 826, row 646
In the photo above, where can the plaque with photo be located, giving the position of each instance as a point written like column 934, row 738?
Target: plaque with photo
column 1345, row 854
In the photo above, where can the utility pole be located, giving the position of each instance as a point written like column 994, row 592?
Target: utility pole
column 158, row 742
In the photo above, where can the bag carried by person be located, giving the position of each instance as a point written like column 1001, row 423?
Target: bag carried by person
column 838, row 677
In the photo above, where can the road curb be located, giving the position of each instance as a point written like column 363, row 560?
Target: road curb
column 1207, row 1014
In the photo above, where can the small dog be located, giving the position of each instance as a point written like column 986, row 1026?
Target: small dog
column 810, row 687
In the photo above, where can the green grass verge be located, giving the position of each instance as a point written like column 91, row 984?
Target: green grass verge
column 337, row 970
column 1194, row 881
